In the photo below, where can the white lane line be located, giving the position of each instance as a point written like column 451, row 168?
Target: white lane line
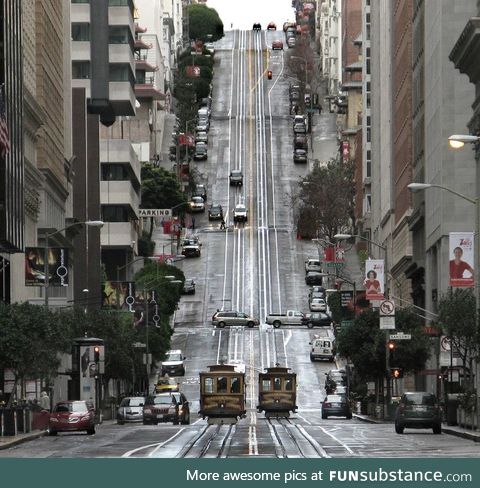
column 313, row 442
column 163, row 443
column 336, row 439
column 289, row 336
column 218, row 349
column 284, row 348
column 148, row 446
column 303, row 418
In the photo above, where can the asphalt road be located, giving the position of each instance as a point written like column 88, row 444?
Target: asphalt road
column 257, row 268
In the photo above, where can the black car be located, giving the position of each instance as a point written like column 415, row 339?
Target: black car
column 188, row 287
column 317, row 292
column 215, row 212
column 300, row 156
column 166, row 407
column 336, row 405
column 335, row 377
column 200, row 191
column 236, row 177
column 300, row 142
column 257, row 26
column 418, row 410
column 314, row 278
column 317, row 319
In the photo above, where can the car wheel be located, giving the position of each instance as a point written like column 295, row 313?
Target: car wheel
column 310, row 325
column 399, row 428
column 52, row 432
column 349, row 416
column 91, row 431
column 155, row 422
column 186, row 420
column 312, row 358
column 324, row 416
column 176, row 421
column 250, row 324
column 221, row 325
column 437, row 429
column 120, row 422
column 277, row 324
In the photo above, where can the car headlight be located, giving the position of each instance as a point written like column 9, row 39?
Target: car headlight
column 148, row 411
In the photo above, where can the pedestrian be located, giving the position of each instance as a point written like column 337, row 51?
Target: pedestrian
column 193, row 222
column 319, row 109
column 222, row 224
column 44, row 401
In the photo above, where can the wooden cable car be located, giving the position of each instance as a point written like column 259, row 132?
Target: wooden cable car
column 222, row 394
column 277, row 389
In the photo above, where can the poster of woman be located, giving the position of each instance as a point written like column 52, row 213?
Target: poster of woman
column 374, row 279
column 461, row 259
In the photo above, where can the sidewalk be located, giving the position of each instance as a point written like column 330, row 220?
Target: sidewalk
column 6, row 442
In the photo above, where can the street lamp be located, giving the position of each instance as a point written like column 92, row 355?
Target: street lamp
column 457, row 141
column 88, row 223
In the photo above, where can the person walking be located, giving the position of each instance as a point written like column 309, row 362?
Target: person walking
column 193, row 222
column 44, row 401
column 222, row 224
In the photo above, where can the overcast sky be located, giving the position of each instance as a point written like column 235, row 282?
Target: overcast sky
column 243, row 13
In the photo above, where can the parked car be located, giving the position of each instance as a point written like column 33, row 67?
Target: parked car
column 174, row 364
column 215, row 212
column 300, row 156
column 188, row 287
column 317, row 292
column 240, row 213
column 286, row 25
column 272, row 26
column 236, row 177
column 210, row 47
column 130, row 410
column 336, row 405
column 334, row 378
column 257, row 26
column 277, row 45
column 300, row 128
column 72, row 416
column 230, row 317
column 196, row 204
column 200, row 191
column 201, row 137
column 300, row 142
column 166, row 407
column 201, row 152
column 317, row 305
column 291, row 41
column 202, row 126
column 314, row 278
column 418, row 410
column 317, row 319
column 313, row 264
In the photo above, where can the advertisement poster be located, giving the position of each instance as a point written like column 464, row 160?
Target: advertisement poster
column 374, row 279
column 119, row 295
column 461, row 256
column 35, row 266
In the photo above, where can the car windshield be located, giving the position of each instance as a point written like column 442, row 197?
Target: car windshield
column 236, row 173
column 216, row 208
column 162, row 400
column 174, row 357
column 334, row 398
column 166, row 381
column 240, row 208
column 71, row 407
column 132, row 402
column 420, row 399
column 197, row 199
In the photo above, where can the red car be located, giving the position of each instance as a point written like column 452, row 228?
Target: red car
column 277, row 45
column 272, row 26
column 72, row 416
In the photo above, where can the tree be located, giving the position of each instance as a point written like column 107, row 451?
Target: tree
column 364, row 344
column 458, row 321
column 31, row 339
column 204, row 23
column 325, row 199
column 160, row 189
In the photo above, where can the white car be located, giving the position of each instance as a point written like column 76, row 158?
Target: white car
column 313, row 264
column 196, row 204
column 240, row 213
column 210, row 47
column 317, row 305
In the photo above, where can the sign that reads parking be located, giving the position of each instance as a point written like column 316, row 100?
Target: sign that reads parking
column 154, row 212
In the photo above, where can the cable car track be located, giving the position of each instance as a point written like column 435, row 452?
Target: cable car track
column 202, row 443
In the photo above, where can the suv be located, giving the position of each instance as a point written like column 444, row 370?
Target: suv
column 240, row 213
column 419, row 410
column 200, row 191
column 313, row 264
column 215, row 212
column 236, row 177
column 222, row 318
column 72, row 416
column 188, row 287
column 166, row 407
column 191, row 248
column 173, row 365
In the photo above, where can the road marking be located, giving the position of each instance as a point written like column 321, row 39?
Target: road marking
column 219, row 342
column 303, row 418
column 336, row 439
column 157, row 445
column 313, row 441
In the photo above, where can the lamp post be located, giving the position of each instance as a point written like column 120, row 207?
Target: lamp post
column 88, row 223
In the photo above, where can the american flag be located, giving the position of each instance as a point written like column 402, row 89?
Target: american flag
column 4, row 135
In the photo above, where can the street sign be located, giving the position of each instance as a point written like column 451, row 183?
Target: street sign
column 154, row 212
column 387, row 322
column 387, row 308
column 346, row 323
column 400, row 336
column 139, row 344
column 333, row 264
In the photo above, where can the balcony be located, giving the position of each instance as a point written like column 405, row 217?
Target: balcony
column 81, row 51
column 120, row 151
column 121, row 53
column 118, row 235
column 119, row 193
column 144, row 88
column 122, row 97
column 80, row 12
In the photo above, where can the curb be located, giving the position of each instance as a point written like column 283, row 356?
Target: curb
column 461, row 433
column 366, row 419
column 21, row 440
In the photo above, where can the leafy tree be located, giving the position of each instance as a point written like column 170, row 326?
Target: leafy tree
column 458, row 320
column 204, row 23
column 146, row 246
column 326, row 199
column 31, row 339
column 364, row 344
column 160, row 189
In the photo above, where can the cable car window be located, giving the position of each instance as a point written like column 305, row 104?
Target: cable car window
column 266, row 385
column 222, row 384
column 277, row 384
column 234, row 384
column 288, row 384
column 208, row 385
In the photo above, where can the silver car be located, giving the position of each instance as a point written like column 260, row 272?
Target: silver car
column 130, row 410
column 229, row 317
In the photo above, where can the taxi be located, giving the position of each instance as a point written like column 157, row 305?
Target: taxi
column 166, row 384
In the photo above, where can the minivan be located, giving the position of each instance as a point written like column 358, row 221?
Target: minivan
column 323, row 348
column 229, row 317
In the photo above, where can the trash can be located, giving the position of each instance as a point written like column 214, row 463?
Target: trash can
column 452, row 407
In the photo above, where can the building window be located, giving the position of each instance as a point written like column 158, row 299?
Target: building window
column 80, row 1
column 119, row 72
column 369, row 137
column 369, row 168
column 81, row 70
column 368, row 100
column 368, row 203
column 114, row 213
column 118, row 34
column 368, row 66
column 114, row 172
column 81, row 31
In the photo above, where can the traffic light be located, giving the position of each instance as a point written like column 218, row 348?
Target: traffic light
column 396, row 373
column 269, row 74
column 391, row 345
column 96, row 354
